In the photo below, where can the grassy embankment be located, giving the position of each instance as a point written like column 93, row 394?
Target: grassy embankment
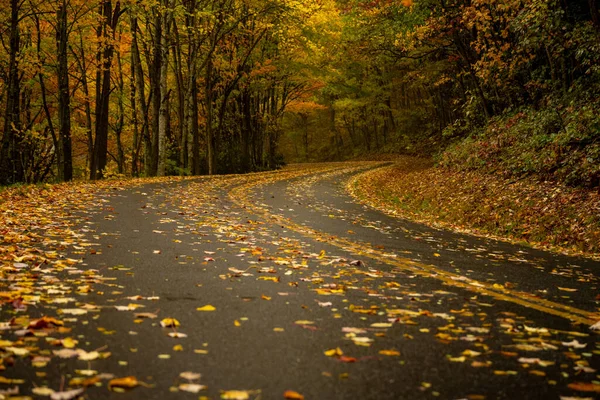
column 526, row 210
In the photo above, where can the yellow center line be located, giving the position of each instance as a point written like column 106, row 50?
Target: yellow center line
column 240, row 195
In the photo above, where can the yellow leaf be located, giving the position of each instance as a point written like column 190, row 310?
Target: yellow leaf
column 11, row 381
column 381, row 325
column 207, row 307
column 169, row 323
column 178, row 347
column 389, row 352
column 334, row 352
column 237, row 323
column 470, row 353
column 504, row 373
column 564, row 289
column 42, row 391
column 235, row 395
column 69, row 343
column 17, row 351
column 269, row 278
column 265, row 297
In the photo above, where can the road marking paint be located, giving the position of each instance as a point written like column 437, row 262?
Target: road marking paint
column 240, row 196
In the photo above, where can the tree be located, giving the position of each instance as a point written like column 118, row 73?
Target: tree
column 105, row 32
column 11, row 162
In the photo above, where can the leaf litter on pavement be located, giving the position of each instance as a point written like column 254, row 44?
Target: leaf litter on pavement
column 379, row 311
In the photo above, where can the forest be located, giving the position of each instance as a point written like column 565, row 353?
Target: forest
column 101, row 88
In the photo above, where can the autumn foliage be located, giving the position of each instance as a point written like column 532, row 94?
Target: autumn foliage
column 180, row 87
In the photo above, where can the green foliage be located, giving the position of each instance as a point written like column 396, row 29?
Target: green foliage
column 558, row 142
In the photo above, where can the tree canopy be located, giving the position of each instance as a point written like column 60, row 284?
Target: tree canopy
column 162, row 87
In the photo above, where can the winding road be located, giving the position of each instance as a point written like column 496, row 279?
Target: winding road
column 282, row 285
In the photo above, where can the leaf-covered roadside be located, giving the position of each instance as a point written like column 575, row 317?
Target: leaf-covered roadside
column 541, row 214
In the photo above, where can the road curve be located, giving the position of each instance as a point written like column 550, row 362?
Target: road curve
column 283, row 285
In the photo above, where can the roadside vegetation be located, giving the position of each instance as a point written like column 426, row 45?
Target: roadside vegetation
column 539, row 214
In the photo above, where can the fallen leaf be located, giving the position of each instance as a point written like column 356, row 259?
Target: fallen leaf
column 575, row 344
column 42, row 391
column 235, row 395
column 334, row 352
column 389, row 352
column 85, row 356
column 381, row 325
column 145, row 315
column 17, row 351
column 575, row 398
column 292, row 395
column 190, row 376
column 69, row 343
column 127, row 382
column 66, row 395
column 207, row 307
column 470, row 353
column 596, row 326
column 65, row 353
column 564, row 289
column 73, row 311
column 169, row 323
column 44, row 322
column 191, row 387
column 585, row 387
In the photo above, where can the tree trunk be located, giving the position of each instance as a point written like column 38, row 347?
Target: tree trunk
column 65, row 157
column 11, row 168
column 164, row 92
column 154, row 73
column 135, row 148
column 80, row 58
column 105, row 55
column 181, row 87
column 138, row 77
column 193, row 128
column 121, row 118
column 210, row 142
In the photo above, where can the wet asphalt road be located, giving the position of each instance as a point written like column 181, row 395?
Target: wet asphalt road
column 283, row 296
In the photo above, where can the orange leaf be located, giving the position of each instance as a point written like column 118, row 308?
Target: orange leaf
column 290, row 394
column 585, row 387
column 127, row 382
